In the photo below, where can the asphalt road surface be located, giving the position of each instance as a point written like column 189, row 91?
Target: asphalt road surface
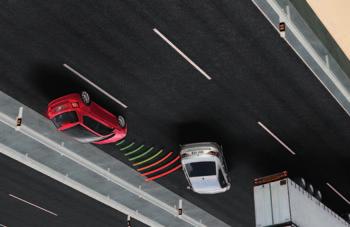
column 29, row 198
column 256, row 77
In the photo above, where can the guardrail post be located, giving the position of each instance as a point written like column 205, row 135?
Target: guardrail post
column 140, row 188
column 288, row 12
column 19, row 118
column 108, row 170
column 284, row 18
column 180, row 207
column 129, row 221
column 326, row 58
column 282, row 29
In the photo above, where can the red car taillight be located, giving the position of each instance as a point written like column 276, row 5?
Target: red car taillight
column 75, row 104
column 59, row 108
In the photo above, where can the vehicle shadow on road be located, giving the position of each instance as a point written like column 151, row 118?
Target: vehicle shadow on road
column 54, row 81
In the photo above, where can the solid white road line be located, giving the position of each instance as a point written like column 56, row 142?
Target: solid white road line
column 50, row 212
column 276, row 138
column 94, row 85
column 182, row 54
column 338, row 193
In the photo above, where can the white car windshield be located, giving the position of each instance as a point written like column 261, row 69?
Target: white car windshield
column 199, row 169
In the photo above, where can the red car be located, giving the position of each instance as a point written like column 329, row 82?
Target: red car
column 86, row 121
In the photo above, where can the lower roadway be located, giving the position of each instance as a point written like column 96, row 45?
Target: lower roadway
column 256, row 77
column 29, row 198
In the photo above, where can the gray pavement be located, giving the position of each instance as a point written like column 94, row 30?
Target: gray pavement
column 85, row 168
column 256, row 77
column 72, row 207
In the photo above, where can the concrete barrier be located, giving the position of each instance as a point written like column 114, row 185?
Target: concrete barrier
column 308, row 47
column 36, row 143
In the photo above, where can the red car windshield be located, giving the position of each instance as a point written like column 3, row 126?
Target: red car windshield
column 65, row 118
column 81, row 134
column 96, row 126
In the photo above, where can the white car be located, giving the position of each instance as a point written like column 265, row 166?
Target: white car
column 205, row 168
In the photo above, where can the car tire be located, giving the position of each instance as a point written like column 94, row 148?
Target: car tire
column 121, row 121
column 85, row 97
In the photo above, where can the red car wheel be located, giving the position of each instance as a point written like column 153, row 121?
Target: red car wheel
column 121, row 121
column 85, row 97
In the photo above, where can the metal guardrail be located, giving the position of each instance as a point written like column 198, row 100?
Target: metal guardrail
column 308, row 47
column 107, row 179
column 26, row 160
column 62, row 150
column 61, row 177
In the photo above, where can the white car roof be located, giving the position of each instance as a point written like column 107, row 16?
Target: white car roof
column 204, row 184
column 208, row 184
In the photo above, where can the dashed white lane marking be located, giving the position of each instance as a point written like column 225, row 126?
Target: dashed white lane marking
column 94, row 85
column 338, row 193
column 181, row 53
column 276, row 138
column 22, row 200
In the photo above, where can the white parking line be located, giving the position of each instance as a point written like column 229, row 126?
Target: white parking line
column 276, row 138
column 94, row 85
column 338, row 193
column 22, row 200
column 182, row 53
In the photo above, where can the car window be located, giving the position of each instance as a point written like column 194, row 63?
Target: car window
column 222, row 180
column 81, row 134
column 198, row 169
column 96, row 126
column 64, row 118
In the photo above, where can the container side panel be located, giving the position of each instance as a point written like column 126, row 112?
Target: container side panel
column 309, row 212
column 280, row 202
column 262, row 202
